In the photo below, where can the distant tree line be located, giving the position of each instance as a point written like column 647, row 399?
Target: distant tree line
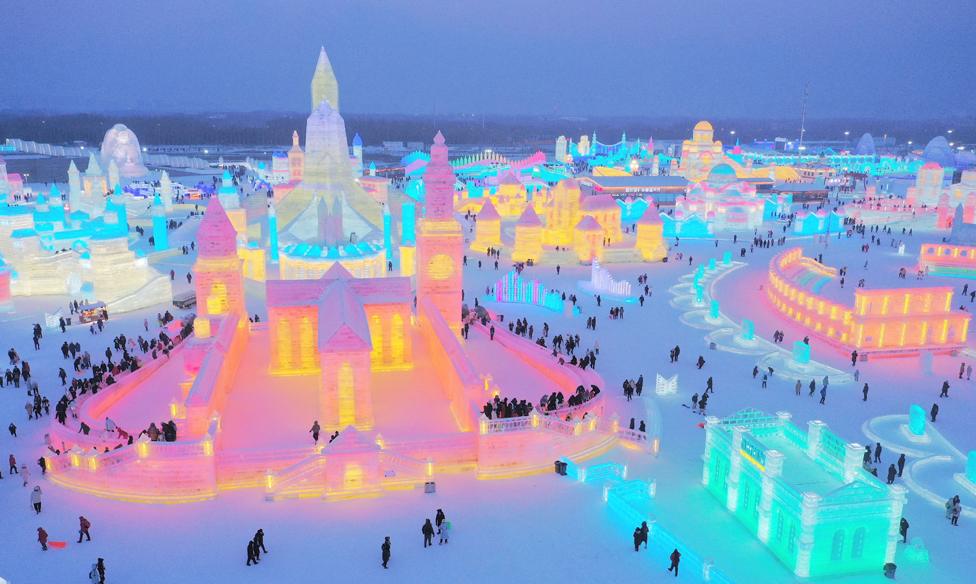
column 275, row 128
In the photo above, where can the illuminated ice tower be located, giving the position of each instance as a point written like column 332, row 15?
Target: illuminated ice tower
column 324, row 84
column 217, row 271
column 160, row 235
column 357, row 154
column 296, row 159
column 74, row 187
column 166, row 190
column 439, row 241
column 701, row 153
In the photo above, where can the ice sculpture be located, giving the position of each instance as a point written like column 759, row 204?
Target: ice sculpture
column 513, row 288
column 120, row 146
column 801, row 352
column 916, row 420
column 666, row 385
column 166, row 190
column 602, row 283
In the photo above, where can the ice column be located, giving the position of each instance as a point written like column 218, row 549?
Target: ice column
column 160, row 234
column 273, row 232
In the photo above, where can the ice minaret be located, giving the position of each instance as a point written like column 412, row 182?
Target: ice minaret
column 324, row 84
column 357, row 153
column 74, row 187
column 160, row 235
column 296, row 159
column 372, row 169
column 166, row 190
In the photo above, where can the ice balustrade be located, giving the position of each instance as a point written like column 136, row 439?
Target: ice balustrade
column 155, row 472
column 565, row 377
column 91, row 407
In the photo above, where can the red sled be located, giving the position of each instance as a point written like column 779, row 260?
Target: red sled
column 59, row 545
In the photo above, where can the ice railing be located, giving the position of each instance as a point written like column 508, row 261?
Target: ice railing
column 145, row 471
column 91, row 406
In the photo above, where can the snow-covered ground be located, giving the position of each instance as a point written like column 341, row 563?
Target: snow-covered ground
column 538, row 528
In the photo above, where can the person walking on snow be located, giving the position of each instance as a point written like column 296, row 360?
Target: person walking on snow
column 637, row 539
column 259, row 541
column 945, row 389
column 385, row 549
column 93, row 576
column 445, row 532
column 35, row 499
column 83, row 526
column 42, row 538
column 428, row 531
column 903, row 530
column 675, row 560
column 251, row 556
column 315, row 431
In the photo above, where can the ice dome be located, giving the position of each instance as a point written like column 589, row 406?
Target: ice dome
column 865, row 145
column 938, row 150
column 121, row 145
column 722, row 174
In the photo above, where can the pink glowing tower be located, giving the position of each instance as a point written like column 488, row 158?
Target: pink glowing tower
column 217, row 271
column 439, row 241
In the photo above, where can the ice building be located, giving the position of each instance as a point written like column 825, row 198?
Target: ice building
column 805, row 495
column 723, row 200
column 897, row 320
column 700, row 153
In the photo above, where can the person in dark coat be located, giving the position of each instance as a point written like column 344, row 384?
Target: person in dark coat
column 386, row 551
column 637, row 538
column 83, row 526
column 934, row 412
column 438, row 519
column 901, row 463
column 259, row 541
column 675, row 560
column 892, row 473
column 251, row 557
column 644, row 531
column 100, row 566
column 42, row 538
column 903, row 530
column 428, row 531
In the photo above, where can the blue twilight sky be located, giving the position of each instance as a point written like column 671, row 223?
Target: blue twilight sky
column 697, row 58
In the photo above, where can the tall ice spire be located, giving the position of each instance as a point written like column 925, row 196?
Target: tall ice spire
column 324, row 84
